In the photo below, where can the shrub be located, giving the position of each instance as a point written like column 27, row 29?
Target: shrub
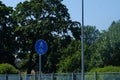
column 106, row 69
column 7, row 69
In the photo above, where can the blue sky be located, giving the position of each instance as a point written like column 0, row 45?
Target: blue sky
column 99, row 13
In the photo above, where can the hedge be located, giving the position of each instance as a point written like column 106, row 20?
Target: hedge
column 106, row 69
column 6, row 68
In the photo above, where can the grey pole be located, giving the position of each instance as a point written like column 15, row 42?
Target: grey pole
column 82, row 43
column 40, row 67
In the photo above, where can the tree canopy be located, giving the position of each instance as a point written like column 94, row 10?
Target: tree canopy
column 7, row 45
column 108, row 46
column 40, row 19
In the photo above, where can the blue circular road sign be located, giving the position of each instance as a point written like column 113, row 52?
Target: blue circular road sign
column 41, row 47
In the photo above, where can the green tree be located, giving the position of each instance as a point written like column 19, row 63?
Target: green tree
column 40, row 19
column 91, row 35
column 72, row 58
column 71, row 61
column 6, row 35
column 108, row 47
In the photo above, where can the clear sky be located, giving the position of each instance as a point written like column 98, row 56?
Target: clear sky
column 99, row 13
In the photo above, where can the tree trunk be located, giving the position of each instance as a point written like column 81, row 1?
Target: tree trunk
column 30, row 64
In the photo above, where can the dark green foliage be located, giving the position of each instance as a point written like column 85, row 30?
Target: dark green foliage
column 7, row 47
column 6, row 57
column 8, row 69
column 91, row 34
column 71, row 59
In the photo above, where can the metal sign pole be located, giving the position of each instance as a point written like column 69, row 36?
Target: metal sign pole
column 41, row 48
column 40, row 66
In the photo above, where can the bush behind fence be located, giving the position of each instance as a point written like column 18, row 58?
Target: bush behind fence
column 62, row 76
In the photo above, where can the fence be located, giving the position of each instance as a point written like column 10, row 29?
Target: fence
column 62, row 76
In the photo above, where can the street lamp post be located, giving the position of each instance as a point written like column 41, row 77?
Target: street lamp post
column 82, row 43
